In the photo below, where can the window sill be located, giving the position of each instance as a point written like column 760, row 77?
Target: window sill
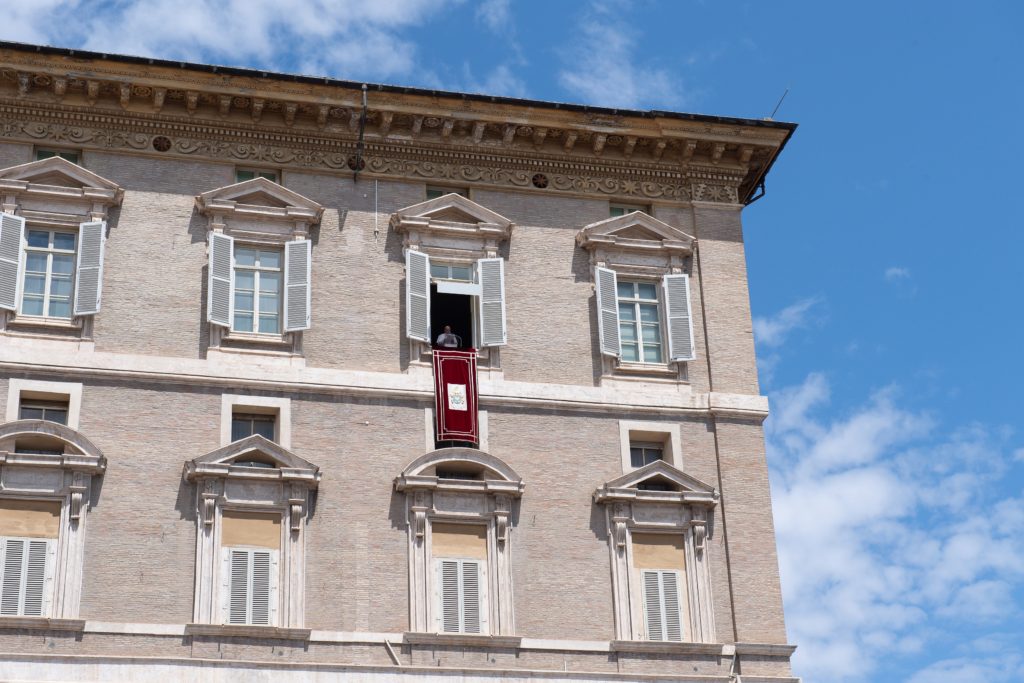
column 42, row 624
column 462, row 639
column 665, row 647
column 282, row 340
column 247, row 631
column 648, row 369
column 42, row 322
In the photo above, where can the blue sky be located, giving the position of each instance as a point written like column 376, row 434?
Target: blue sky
column 884, row 261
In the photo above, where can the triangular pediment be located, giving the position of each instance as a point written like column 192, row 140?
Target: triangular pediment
column 660, row 472
column 453, row 208
column 257, row 192
column 258, row 449
column 634, row 230
column 58, row 172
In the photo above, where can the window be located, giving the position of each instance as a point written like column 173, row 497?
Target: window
column 639, row 322
column 659, row 522
column 459, row 510
column 444, row 271
column 47, row 488
column 49, row 273
column 53, row 411
column 257, row 290
column 62, row 153
column 641, row 454
column 246, row 424
column 433, row 192
column 252, row 505
column 616, row 210
column 243, row 174
column 250, row 547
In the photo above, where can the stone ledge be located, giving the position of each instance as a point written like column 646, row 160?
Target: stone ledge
column 662, row 647
column 246, row 631
column 768, row 679
column 765, row 649
column 42, row 624
column 466, row 639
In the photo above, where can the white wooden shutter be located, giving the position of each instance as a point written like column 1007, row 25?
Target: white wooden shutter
column 670, row 602
column 471, row 607
column 680, row 322
column 448, row 591
column 261, row 587
column 297, row 269
column 417, row 295
column 221, row 288
column 13, row 567
column 89, row 273
column 607, row 311
column 492, row 301
column 652, row 605
column 27, row 583
column 12, row 231
column 250, row 585
column 238, row 605
column 662, row 609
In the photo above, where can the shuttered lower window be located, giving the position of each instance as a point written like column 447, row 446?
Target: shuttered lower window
column 250, row 586
column 662, row 609
column 27, row 581
column 462, row 596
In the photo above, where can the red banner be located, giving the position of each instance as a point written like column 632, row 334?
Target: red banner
column 455, row 397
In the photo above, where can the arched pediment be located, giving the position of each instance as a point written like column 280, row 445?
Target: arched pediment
column 481, row 470
column 259, row 198
column 83, row 453
column 674, row 486
column 271, row 462
column 635, row 231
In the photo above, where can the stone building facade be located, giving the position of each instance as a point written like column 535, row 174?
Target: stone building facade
column 218, row 294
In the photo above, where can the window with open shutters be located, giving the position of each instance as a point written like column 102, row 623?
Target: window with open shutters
column 462, row 605
column 26, row 587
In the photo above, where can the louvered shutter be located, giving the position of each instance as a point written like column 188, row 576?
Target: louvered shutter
column 297, row 268
column 261, row 588
column 448, row 584
column 607, row 311
column 670, row 599
column 12, row 230
column 417, row 295
column 471, row 607
column 238, row 606
column 35, row 578
column 10, row 587
column 652, row 605
column 220, row 296
column 680, row 322
column 89, row 273
column 492, row 301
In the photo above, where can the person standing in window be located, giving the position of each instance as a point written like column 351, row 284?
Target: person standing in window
column 449, row 340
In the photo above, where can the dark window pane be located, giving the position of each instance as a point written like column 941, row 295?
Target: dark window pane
column 264, row 428
column 57, row 415
column 241, row 176
column 29, row 413
column 240, row 429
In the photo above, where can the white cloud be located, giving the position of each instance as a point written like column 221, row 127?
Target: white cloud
column 774, row 330
column 1008, row 668
column 603, row 69
column 895, row 273
column 1018, row 455
column 889, row 534
column 343, row 38
column 495, row 14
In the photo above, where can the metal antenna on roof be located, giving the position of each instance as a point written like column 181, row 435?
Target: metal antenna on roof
column 359, row 145
column 769, row 117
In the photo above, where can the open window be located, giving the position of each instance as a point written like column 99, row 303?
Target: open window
column 659, row 523
column 46, row 471
column 53, row 233
column 642, row 295
column 459, row 505
column 252, row 502
column 259, row 290
column 454, row 275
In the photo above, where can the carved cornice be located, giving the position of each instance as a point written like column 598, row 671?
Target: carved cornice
column 101, row 102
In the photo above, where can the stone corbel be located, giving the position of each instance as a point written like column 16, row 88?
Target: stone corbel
column 208, row 501
column 297, row 506
column 79, row 485
column 418, row 514
column 502, row 509
column 699, row 526
column 620, row 517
